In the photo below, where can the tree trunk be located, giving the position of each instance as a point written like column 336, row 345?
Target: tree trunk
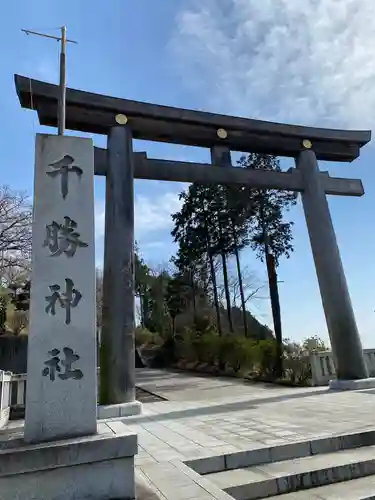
column 145, row 309
column 275, row 305
column 240, row 283
column 194, row 298
column 213, row 274
column 274, row 296
column 227, row 293
column 214, row 286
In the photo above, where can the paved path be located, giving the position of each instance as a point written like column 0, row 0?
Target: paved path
column 180, row 386
column 207, row 416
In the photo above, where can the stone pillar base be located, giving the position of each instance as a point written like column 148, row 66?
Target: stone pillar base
column 95, row 467
column 352, row 385
column 120, row 410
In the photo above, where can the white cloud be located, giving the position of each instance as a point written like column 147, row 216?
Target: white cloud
column 288, row 60
column 154, row 214
column 47, row 70
column 151, row 214
column 151, row 245
column 99, row 219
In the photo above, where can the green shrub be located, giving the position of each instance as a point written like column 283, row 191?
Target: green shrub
column 206, row 347
column 297, row 369
column 165, row 355
column 3, row 311
column 296, row 363
column 239, row 352
column 17, row 321
column 314, row 343
column 222, row 351
column 184, row 346
column 203, row 325
column 144, row 337
column 232, row 351
column 264, row 357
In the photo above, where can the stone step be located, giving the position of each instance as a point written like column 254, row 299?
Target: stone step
column 270, row 479
column 356, row 489
column 295, row 449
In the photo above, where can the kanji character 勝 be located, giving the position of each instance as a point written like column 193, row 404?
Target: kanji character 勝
column 67, row 300
column 62, row 238
column 63, row 167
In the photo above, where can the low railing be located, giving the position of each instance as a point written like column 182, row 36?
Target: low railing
column 323, row 367
column 5, row 396
column 13, row 390
column 18, row 389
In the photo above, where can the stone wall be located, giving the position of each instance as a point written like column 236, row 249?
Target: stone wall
column 13, row 353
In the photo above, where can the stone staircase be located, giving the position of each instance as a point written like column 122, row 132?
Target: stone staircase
column 340, row 467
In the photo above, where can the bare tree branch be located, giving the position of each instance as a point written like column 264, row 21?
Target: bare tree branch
column 254, row 293
column 250, row 282
column 15, row 233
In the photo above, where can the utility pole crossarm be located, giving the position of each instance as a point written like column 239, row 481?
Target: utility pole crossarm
column 57, row 38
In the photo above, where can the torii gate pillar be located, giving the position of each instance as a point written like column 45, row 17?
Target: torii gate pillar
column 117, row 378
column 346, row 343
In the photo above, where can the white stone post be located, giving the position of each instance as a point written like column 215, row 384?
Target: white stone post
column 61, row 397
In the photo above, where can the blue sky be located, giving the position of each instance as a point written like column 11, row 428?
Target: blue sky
column 271, row 59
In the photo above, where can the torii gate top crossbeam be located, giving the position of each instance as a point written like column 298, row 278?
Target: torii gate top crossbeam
column 95, row 113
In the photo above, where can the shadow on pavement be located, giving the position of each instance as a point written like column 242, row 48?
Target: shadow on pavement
column 145, row 493
column 224, row 407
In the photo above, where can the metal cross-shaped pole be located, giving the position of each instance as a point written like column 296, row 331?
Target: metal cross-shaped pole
column 62, row 88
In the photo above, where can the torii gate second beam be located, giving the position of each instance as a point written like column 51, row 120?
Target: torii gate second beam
column 178, row 171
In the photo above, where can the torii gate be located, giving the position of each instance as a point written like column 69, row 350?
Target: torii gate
column 122, row 120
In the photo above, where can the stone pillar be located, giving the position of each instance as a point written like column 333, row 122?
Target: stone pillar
column 346, row 344
column 61, row 396
column 117, row 365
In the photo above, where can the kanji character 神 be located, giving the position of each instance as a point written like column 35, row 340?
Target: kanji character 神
column 67, row 300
